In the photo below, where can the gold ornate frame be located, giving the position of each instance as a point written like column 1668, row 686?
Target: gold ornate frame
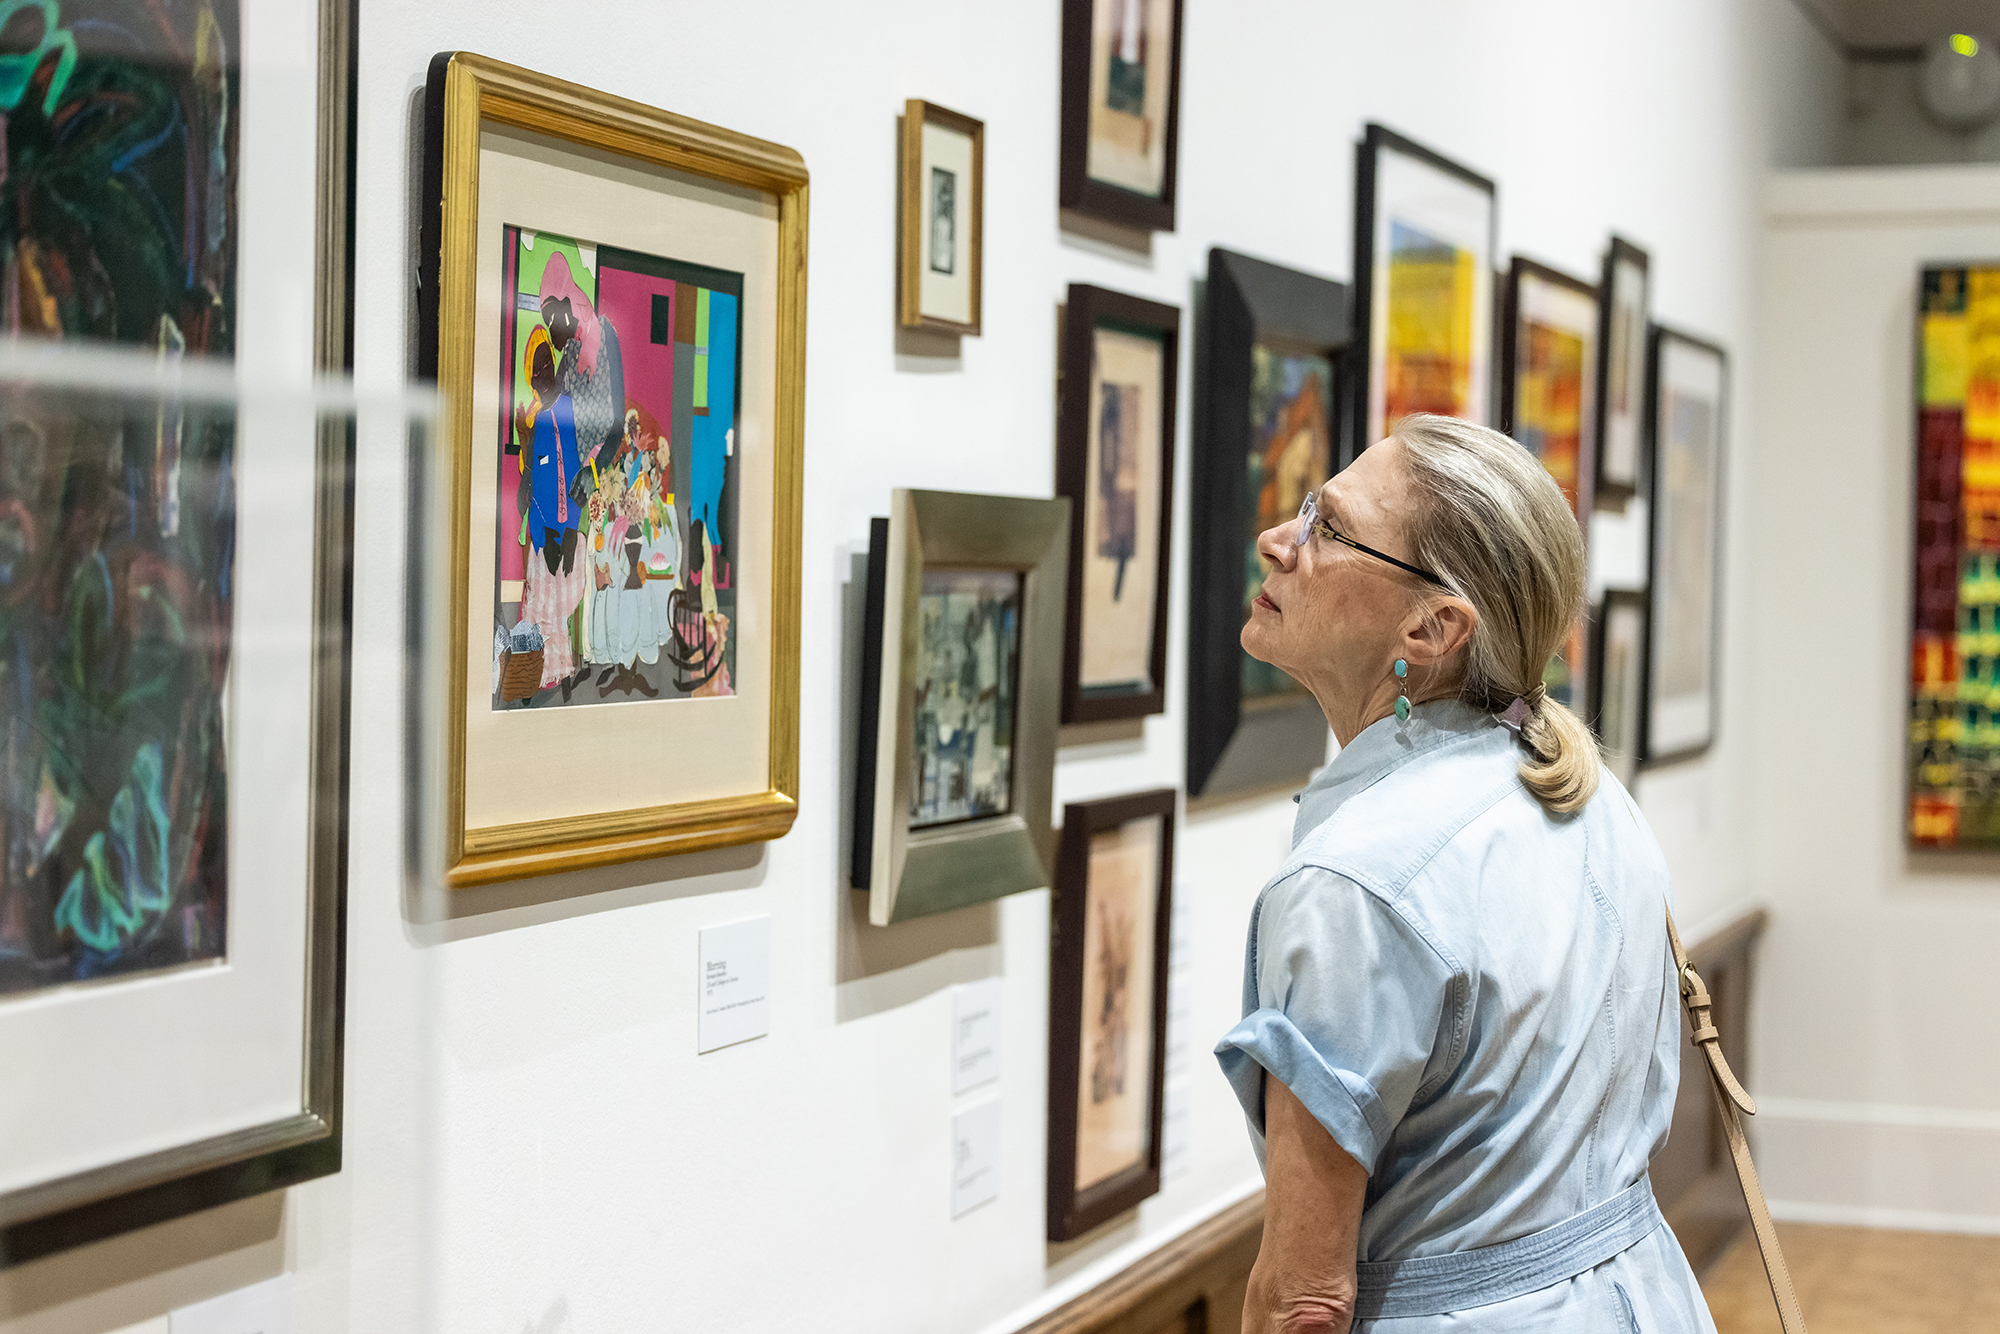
column 468, row 91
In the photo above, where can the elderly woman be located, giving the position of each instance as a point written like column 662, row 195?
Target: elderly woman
column 1459, row 1046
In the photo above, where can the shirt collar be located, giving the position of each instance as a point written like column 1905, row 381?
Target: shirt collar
column 1383, row 746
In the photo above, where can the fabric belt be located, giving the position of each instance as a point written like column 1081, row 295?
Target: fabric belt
column 1438, row 1284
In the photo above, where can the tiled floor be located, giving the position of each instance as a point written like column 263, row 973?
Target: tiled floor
column 1862, row 1281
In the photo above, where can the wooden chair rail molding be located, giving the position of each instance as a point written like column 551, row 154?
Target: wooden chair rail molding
column 1191, row 1285
column 1194, row 1284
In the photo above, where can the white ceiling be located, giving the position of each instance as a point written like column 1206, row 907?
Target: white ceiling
column 1909, row 22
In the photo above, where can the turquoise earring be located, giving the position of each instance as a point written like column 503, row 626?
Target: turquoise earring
column 1402, row 691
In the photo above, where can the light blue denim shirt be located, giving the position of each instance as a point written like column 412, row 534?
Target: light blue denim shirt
column 1477, row 1001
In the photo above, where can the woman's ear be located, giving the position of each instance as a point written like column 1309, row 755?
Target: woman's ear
column 1433, row 637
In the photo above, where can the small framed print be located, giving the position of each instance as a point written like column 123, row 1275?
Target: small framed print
column 1548, row 393
column 1688, row 404
column 961, row 688
column 614, row 307
column 1425, row 251
column 1115, row 462
column 1109, row 932
column 1121, row 98
column 1622, row 303
column 1267, row 423
column 942, row 186
column 1620, row 690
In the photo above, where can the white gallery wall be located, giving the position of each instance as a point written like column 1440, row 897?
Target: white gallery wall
column 532, row 1144
column 1878, row 1069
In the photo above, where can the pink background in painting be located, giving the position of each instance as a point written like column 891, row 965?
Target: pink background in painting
column 626, row 299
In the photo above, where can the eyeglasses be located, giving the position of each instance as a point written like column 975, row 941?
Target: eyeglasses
column 1310, row 523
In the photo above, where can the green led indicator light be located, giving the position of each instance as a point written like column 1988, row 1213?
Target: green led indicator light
column 1965, row 44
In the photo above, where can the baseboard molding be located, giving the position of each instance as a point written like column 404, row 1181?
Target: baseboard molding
column 1883, row 1165
column 1894, row 1220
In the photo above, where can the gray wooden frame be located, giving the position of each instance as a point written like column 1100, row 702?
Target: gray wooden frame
column 911, row 873
column 87, row 1206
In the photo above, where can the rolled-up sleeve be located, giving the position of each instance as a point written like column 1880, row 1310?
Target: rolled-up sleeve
column 1344, row 1004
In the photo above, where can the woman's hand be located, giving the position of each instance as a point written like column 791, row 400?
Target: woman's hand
column 1303, row 1281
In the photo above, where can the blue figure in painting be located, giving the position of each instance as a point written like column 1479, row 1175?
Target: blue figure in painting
column 551, row 463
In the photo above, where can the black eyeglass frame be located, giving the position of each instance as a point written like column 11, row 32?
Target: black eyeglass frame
column 1310, row 523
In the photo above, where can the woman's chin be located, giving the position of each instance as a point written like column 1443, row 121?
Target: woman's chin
column 1256, row 637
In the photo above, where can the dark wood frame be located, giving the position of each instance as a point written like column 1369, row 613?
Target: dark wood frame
column 1508, row 361
column 1657, row 337
column 1072, row 1213
column 1089, row 309
column 1605, row 487
column 1077, row 190
column 910, row 212
column 1640, row 600
column 1377, row 138
column 171, row 1183
column 1246, row 302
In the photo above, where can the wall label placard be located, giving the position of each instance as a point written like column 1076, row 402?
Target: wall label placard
column 975, row 1034
column 261, row 1308
column 734, row 983
column 975, row 1157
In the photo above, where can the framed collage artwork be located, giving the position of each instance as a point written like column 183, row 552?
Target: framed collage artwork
column 961, row 693
column 941, row 190
column 1954, row 720
column 1690, row 382
column 1622, row 317
column 1115, row 463
column 172, row 912
column 1268, row 417
column 614, row 306
column 1121, row 106
column 1110, row 927
column 1548, row 393
column 1425, row 249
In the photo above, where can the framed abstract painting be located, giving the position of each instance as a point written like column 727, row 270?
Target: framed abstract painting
column 1115, row 463
column 1548, row 401
column 1954, row 722
column 613, row 302
column 1109, row 932
column 1267, row 425
column 1619, row 655
column 961, row 692
column 1622, row 306
column 176, row 632
column 1424, row 256
column 1689, row 404
column 1121, row 106
column 941, row 188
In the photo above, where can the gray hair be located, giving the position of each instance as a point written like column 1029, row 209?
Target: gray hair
column 1493, row 525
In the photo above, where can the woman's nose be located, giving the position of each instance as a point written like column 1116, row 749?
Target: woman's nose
column 1276, row 545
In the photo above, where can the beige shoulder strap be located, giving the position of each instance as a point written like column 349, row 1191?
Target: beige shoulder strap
column 1729, row 1098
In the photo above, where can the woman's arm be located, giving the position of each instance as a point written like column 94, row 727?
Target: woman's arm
column 1303, row 1281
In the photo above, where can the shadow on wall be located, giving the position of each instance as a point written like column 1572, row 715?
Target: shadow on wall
column 140, row 1276
column 878, row 968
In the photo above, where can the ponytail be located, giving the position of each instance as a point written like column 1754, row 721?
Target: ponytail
column 1492, row 523
column 1563, row 773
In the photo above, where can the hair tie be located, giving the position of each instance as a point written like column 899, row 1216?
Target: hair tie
column 1515, row 716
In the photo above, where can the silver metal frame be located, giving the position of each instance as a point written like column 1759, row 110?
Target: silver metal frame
column 913, row 873
column 86, row 1206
